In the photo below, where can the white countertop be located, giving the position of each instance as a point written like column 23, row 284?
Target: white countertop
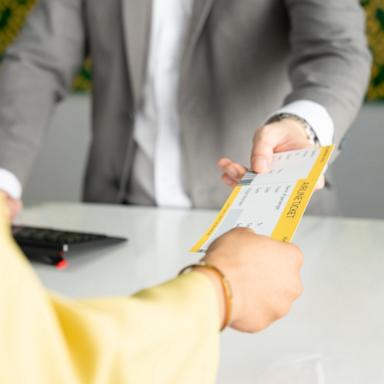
column 333, row 335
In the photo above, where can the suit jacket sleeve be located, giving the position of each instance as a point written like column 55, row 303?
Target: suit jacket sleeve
column 35, row 73
column 330, row 60
column 167, row 334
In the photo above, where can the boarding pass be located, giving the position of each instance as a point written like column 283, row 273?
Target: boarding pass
column 272, row 203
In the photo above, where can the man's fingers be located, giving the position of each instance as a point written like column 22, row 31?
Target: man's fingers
column 280, row 136
column 260, row 164
column 320, row 183
column 222, row 163
column 233, row 170
column 228, row 180
column 262, row 151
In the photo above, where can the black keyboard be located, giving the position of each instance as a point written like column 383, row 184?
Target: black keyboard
column 50, row 245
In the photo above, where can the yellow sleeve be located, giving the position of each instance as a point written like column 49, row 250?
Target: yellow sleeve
column 167, row 334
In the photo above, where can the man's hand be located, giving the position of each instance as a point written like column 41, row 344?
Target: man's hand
column 264, row 275
column 281, row 136
column 14, row 206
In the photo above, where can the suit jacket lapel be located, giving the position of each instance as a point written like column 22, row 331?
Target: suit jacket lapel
column 137, row 24
column 201, row 9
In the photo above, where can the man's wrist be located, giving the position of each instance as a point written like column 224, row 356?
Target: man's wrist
column 308, row 130
column 315, row 115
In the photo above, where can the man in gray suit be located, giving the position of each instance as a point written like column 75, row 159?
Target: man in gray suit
column 179, row 85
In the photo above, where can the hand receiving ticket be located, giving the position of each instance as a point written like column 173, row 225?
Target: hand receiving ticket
column 271, row 203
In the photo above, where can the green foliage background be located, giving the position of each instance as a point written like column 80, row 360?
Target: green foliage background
column 13, row 13
column 12, row 17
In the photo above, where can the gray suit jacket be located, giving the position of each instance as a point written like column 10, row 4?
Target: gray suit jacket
column 243, row 60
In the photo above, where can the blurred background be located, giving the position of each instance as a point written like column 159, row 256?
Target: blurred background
column 59, row 168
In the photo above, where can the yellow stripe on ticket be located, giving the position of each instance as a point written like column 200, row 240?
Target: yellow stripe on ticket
column 299, row 199
column 197, row 247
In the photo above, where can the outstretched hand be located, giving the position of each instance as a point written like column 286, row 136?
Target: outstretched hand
column 264, row 275
column 281, row 136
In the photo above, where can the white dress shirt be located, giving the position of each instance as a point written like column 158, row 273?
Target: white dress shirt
column 157, row 129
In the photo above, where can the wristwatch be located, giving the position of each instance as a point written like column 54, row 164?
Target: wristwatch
column 309, row 131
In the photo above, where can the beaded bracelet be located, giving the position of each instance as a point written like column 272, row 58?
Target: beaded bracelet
column 224, row 283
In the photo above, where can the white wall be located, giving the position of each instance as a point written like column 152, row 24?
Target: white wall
column 359, row 170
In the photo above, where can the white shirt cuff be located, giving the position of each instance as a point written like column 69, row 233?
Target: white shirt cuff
column 10, row 184
column 315, row 115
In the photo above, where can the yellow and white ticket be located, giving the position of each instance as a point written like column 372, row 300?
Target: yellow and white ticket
column 271, row 203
